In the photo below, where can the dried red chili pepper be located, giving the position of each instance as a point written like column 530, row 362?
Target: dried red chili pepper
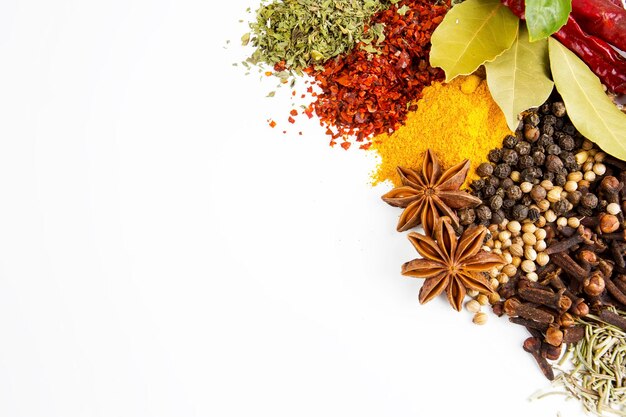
column 601, row 58
column 366, row 93
column 603, row 19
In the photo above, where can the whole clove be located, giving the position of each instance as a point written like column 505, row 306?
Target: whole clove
column 532, row 345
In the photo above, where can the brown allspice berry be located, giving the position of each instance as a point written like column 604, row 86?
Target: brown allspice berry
column 608, row 223
column 538, row 193
column 554, row 336
column 553, row 163
column 594, row 285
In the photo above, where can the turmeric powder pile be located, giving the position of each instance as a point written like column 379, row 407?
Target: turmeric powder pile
column 458, row 120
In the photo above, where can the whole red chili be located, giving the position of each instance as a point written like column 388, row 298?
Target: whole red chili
column 603, row 19
column 368, row 93
column 599, row 56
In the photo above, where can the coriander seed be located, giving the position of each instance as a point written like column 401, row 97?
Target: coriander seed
column 472, row 306
column 479, row 318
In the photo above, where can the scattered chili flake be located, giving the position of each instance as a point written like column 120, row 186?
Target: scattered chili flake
column 268, row 73
column 365, row 93
column 294, row 112
column 346, row 145
column 291, row 120
column 272, row 123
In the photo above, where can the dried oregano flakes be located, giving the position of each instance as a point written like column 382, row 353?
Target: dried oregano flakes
column 295, row 34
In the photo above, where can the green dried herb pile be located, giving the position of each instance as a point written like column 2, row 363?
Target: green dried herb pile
column 294, row 34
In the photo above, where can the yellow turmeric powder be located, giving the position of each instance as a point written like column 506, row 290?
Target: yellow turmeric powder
column 457, row 120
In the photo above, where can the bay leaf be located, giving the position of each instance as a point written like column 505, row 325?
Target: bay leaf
column 520, row 78
column 544, row 17
column 589, row 108
column 472, row 33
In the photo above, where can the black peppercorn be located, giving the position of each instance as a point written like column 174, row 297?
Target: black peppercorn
column 533, row 214
column 495, row 202
column 483, row 213
column 545, row 140
column 514, row 193
column 553, row 149
column 584, row 211
column 553, row 163
column 478, row 184
column 522, row 148
column 506, row 183
column 538, row 193
column 558, row 109
column 502, row 170
column 566, row 142
column 509, row 156
column 489, row 191
column 549, row 120
column 548, row 176
column 545, row 108
column 532, row 119
column 569, row 161
column 494, row 155
column 525, row 161
column 526, row 200
column 528, row 175
column 493, row 181
column 508, row 203
column 484, row 170
column 466, row 216
column 589, row 200
column 569, row 129
column 510, row 141
column 519, row 212
column 500, row 192
column 539, row 157
column 560, row 180
column 560, row 207
column 498, row 217
column 559, row 123
column 547, row 130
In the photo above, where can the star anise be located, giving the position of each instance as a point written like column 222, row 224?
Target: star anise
column 430, row 194
column 450, row 263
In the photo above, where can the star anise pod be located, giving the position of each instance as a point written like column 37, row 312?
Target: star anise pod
column 430, row 194
column 450, row 263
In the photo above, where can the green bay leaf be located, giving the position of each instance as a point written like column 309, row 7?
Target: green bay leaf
column 520, row 78
column 544, row 17
column 588, row 107
column 472, row 33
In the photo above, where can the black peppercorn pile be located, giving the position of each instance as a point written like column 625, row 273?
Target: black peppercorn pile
column 553, row 203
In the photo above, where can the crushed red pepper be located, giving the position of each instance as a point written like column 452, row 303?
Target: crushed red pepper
column 365, row 93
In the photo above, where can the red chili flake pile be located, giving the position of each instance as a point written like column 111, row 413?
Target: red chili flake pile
column 367, row 92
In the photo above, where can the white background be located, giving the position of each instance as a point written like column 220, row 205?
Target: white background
column 163, row 252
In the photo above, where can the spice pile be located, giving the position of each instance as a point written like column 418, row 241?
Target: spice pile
column 533, row 225
column 454, row 119
column 368, row 91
